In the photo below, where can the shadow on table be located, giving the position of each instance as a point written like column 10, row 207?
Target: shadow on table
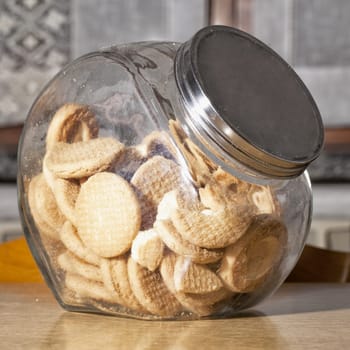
column 311, row 297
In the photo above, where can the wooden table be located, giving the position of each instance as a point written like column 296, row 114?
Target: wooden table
column 298, row 316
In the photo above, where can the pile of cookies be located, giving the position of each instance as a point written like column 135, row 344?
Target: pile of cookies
column 150, row 229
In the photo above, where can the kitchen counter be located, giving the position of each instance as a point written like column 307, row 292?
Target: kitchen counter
column 298, row 316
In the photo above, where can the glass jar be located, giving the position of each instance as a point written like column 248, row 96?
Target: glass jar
column 160, row 180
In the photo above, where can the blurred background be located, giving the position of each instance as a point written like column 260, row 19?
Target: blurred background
column 38, row 37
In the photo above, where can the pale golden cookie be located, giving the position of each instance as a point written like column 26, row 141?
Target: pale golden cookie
column 179, row 245
column 119, row 274
column 43, row 207
column 193, row 278
column 82, row 159
column 151, row 291
column 250, row 261
column 200, row 304
column 84, row 288
column 147, row 249
column 108, row 214
column 151, row 181
column 212, row 229
column 68, row 262
column 199, row 165
column 71, row 123
column 66, row 193
column 71, row 240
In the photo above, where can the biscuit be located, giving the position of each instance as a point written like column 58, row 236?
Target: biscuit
column 84, row 288
column 150, row 290
column 179, row 245
column 71, row 123
column 43, row 207
column 212, row 229
column 82, row 159
column 263, row 199
column 250, row 261
column 108, row 214
column 147, row 249
column 199, row 166
column 66, row 193
column 119, row 274
column 193, row 278
column 105, row 268
column 151, row 181
column 68, row 262
column 69, row 237
column 200, row 304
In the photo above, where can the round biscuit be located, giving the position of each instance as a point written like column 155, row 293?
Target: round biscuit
column 43, row 207
column 71, row 123
column 174, row 241
column 212, row 229
column 82, row 159
column 147, row 249
column 151, row 292
column 152, row 181
column 199, row 304
column 68, row 262
column 71, row 240
column 119, row 274
column 108, row 214
column 250, row 261
column 194, row 278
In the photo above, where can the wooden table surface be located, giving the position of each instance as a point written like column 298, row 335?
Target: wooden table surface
column 298, row 316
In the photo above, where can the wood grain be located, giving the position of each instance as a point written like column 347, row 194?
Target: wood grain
column 299, row 316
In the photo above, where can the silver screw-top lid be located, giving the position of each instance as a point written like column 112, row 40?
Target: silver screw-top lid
column 247, row 100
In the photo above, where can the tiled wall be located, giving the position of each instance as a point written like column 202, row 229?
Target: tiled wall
column 314, row 36
column 38, row 37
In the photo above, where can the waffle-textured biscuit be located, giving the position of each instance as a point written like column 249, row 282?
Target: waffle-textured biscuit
column 71, row 240
column 72, row 264
column 200, row 304
column 108, row 214
column 147, row 249
column 151, row 181
column 121, row 283
column 150, row 290
column 194, row 278
column 248, row 262
column 167, row 206
column 43, row 207
column 71, row 123
column 181, row 246
column 82, row 159
column 66, row 193
column 212, row 229
column 131, row 159
column 199, row 165
column 84, row 288
column 105, row 268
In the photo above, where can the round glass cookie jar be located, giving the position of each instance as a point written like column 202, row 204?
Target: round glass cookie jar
column 160, row 180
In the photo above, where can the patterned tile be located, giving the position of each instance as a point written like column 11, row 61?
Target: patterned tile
column 35, row 44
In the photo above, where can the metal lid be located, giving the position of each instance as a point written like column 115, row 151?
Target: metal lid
column 247, row 100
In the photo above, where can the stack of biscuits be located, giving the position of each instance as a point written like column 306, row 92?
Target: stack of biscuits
column 149, row 230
